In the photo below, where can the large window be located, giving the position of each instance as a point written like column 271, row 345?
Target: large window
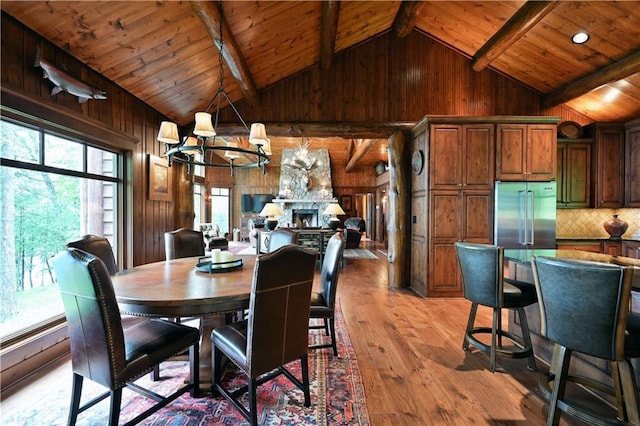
column 220, row 208
column 54, row 190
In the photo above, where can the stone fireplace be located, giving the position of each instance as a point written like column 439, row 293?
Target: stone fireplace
column 305, row 187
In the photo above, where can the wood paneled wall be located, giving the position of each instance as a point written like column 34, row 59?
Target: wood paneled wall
column 396, row 80
column 384, row 80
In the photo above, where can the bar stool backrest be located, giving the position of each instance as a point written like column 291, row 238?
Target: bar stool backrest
column 583, row 305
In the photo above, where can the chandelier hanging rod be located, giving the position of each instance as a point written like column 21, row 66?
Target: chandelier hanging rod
column 201, row 148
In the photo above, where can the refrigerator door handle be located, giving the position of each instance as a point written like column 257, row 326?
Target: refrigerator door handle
column 530, row 218
column 522, row 217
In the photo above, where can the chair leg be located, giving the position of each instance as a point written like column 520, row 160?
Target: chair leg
column 559, row 385
column 305, row 380
column 194, row 369
column 114, row 410
column 494, row 339
column 332, row 327
column 326, row 326
column 470, row 321
column 629, row 392
column 216, row 376
column 253, row 405
column 526, row 338
column 75, row 399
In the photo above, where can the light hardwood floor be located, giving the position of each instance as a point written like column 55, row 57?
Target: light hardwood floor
column 410, row 355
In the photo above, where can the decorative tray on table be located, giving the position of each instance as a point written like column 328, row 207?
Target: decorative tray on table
column 206, row 265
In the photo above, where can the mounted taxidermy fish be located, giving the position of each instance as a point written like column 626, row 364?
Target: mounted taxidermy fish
column 64, row 82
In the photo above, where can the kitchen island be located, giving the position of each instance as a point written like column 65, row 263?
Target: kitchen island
column 518, row 263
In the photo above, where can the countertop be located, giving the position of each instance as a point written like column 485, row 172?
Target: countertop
column 633, row 239
column 523, row 257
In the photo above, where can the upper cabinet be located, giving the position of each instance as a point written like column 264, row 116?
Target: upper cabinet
column 463, row 156
column 608, row 163
column 574, row 173
column 632, row 165
column 526, row 152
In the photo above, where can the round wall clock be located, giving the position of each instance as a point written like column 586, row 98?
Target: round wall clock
column 417, row 161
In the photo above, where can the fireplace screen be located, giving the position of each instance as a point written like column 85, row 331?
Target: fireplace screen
column 305, row 218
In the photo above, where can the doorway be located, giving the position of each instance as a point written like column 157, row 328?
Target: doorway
column 364, row 208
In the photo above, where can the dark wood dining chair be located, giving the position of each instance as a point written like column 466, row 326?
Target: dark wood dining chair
column 483, row 283
column 105, row 352
column 275, row 332
column 183, row 242
column 99, row 247
column 281, row 237
column 323, row 302
column 584, row 309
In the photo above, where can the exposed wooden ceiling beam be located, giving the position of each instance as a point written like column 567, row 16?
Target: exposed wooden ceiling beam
column 405, row 19
column 362, row 146
column 516, row 27
column 328, row 31
column 609, row 74
column 210, row 15
column 321, row 129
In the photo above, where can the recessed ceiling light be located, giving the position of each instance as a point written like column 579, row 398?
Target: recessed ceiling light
column 580, row 38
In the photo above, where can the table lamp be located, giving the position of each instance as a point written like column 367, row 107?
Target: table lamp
column 334, row 209
column 270, row 210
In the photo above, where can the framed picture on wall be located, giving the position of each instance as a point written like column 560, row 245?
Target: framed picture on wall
column 159, row 179
column 345, row 202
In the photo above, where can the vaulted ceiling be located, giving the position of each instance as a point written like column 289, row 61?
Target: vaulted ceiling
column 155, row 49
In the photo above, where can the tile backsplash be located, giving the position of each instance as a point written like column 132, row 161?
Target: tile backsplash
column 588, row 223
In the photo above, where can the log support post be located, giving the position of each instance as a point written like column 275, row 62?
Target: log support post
column 399, row 225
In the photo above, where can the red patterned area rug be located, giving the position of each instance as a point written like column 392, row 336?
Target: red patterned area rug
column 337, row 396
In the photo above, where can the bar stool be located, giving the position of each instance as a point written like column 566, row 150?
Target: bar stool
column 482, row 267
column 584, row 308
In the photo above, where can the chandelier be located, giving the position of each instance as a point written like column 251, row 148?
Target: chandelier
column 205, row 144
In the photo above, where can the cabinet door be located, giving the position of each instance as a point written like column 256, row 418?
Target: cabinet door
column 611, row 248
column 445, row 156
column 609, row 166
column 631, row 249
column 479, row 159
column 574, row 174
column 541, row 152
column 510, row 152
column 477, row 222
column 632, row 166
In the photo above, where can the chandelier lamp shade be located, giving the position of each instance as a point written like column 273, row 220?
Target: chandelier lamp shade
column 271, row 210
column 334, row 210
column 206, row 147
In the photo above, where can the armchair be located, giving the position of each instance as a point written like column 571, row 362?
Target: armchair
column 212, row 237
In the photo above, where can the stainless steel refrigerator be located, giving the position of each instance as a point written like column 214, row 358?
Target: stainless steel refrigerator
column 525, row 215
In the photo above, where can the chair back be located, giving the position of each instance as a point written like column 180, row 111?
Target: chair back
column 93, row 318
column 355, row 223
column 352, row 238
column 210, row 230
column 99, row 247
column 279, row 308
column 583, row 305
column 183, row 242
column 331, row 269
column 482, row 271
column 281, row 237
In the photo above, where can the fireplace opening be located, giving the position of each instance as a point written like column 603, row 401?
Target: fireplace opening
column 305, row 218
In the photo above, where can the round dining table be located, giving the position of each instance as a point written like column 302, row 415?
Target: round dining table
column 177, row 288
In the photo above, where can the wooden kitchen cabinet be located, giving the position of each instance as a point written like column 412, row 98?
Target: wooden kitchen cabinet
column 574, row 173
column 526, row 152
column 613, row 248
column 631, row 249
column 465, row 215
column 608, row 163
column 632, row 165
column 464, row 156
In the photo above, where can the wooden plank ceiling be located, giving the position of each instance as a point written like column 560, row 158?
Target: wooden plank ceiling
column 155, row 49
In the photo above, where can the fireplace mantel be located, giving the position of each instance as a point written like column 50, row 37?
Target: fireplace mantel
column 307, row 200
